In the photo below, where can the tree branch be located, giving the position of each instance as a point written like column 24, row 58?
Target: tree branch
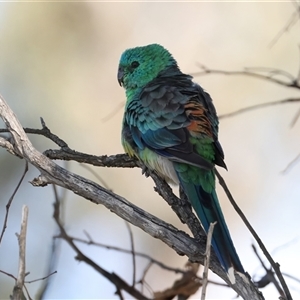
column 291, row 81
column 180, row 241
column 274, row 265
column 10, row 201
column 18, row 288
column 112, row 277
column 258, row 106
column 207, row 259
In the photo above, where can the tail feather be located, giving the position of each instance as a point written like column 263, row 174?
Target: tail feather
column 207, row 207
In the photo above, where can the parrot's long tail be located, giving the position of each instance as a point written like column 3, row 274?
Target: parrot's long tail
column 208, row 209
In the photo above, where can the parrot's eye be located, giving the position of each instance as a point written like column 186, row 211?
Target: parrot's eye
column 134, row 64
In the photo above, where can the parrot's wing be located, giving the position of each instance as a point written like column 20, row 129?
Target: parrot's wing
column 175, row 145
column 166, row 120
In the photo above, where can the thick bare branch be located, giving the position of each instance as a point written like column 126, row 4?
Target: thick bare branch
column 180, row 241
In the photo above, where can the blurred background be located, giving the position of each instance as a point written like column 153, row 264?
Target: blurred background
column 59, row 61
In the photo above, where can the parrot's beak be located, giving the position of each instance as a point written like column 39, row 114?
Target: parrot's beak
column 120, row 76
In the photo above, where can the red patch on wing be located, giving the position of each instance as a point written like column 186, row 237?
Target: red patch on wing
column 197, row 114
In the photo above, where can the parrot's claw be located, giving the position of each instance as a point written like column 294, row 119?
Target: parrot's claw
column 145, row 171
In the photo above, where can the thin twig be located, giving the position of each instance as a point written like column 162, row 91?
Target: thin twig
column 291, row 277
column 291, row 22
column 295, row 118
column 207, row 259
column 18, row 288
column 10, row 201
column 152, row 261
column 140, row 254
column 42, row 278
column 293, row 82
column 269, row 273
column 143, row 280
column 113, row 112
column 8, row 274
column 12, row 276
column 285, row 245
column 133, row 253
column 148, row 287
column 291, row 164
column 52, row 261
column 119, row 293
column 258, row 106
column 29, row 281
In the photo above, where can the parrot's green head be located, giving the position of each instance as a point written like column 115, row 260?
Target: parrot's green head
column 138, row 66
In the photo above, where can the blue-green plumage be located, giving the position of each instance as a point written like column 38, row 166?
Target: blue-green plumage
column 170, row 124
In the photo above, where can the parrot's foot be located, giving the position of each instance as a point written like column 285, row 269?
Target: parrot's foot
column 145, row 171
